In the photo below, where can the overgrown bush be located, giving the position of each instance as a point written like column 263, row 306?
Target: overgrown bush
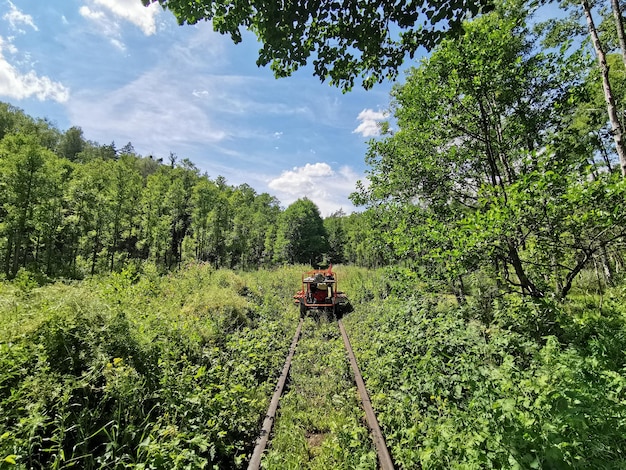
column 534, row 388
column 139, row 371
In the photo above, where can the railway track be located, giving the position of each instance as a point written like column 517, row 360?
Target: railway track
column 383, row 456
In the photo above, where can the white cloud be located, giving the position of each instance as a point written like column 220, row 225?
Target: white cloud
column 118, row 44
column 6, row 44
column 132, row 11
column 14, row 84
column 15, row 18
column 90, row 14
column 107, row 13
column 370, row 119
column 327, row 188
column 186, row 105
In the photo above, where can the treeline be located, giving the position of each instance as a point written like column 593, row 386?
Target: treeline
column 71, row 207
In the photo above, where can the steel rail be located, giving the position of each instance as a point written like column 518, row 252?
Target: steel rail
column 261, row 442
column 384, row 459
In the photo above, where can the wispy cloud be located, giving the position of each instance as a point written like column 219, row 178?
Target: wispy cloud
column 329, row 189
column 18, row 85
column 105, row 14
column 151, row 111
column 188, row 106
column 7, row 45
column 16, row 18
column 106, row 25
column 118, row 44
column 134, row 12
column 94, row 15
column 370, row 120
column 243, row 96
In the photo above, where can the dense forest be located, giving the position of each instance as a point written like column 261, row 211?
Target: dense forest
column 146, row 308
column 71, row 207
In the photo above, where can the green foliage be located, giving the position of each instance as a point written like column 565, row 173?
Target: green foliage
column 30, row 179
column 71, row 144
column 334, row 225
column 365, row 241
column 479, row 175
column 25, row 281
column 90, row 209
column 454, row 392
column 369, row 41
column 140, row 370
column 301, row 237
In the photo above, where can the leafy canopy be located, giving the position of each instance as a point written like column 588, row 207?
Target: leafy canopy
column 347, row 39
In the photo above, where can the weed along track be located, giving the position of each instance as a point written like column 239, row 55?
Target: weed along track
column 384, row 458
column 261, row 443
column 320, row 422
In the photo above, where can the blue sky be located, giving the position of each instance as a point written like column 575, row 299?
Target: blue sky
column 123, row 72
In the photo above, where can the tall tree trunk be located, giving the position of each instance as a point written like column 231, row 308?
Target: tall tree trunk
column 37, row 247
column 525, row 283
column 9, row 253
column 459, row 291
column 619, row 26
column 21, row 227
column 604, row 153
column 616, row 126
column 569, row 279
column 113, row 247
column 49, row 249
column 16, row 253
